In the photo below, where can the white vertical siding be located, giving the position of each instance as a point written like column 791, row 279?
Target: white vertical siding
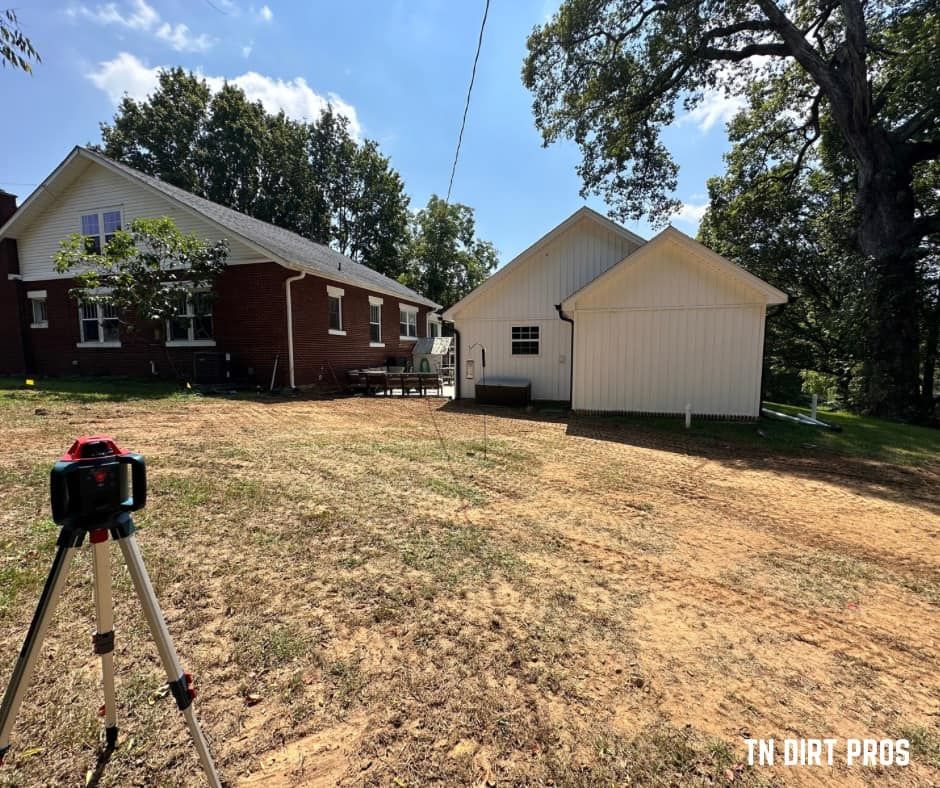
column 665, row 331
column 548, row 371
column 95, row 189
column 527, row 297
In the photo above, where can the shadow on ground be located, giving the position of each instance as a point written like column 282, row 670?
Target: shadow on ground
column 915, row 485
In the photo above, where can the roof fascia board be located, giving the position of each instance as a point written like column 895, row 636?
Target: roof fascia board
column 41, row 189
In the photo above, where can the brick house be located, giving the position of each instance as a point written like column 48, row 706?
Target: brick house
column 285, row 308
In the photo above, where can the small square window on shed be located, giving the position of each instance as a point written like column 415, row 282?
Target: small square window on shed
column 525, row 340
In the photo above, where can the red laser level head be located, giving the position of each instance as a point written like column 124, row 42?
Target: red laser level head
column 95, row 481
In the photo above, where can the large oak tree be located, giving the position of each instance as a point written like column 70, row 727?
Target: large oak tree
column 612, row 74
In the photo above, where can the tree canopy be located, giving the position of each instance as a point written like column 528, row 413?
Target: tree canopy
column 16, row 50
column 313, row 178
column 146, row 271
column 447, row 259
column 845, row 87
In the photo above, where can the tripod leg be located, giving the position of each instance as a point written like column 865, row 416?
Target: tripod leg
column 26, row 662
column 103, row 639
column 179, row 681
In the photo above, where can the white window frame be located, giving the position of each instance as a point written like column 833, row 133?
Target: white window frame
column 337, row 293
column 537, row 340
column 407, row 316
column 190, row 314
column 436, row 321
column 40, row 299
column 101, row 342
column 376, row 303
column 102, row 236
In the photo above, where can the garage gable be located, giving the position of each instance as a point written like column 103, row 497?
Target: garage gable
column 673, row 270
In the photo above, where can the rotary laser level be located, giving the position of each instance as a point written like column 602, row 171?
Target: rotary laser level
column 94, row 487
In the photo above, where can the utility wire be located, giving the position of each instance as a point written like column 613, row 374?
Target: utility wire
column 450, row 186
column 466, row 108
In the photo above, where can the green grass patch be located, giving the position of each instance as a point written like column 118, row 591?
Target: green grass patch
column 85, row 390
column 861, row 436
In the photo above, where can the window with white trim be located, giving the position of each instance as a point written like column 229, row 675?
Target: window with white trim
column 334, row 299
column 375, row 322
column 407, row 322
column 525, row 340
column 336, row 313
column 99, row 323
column 99, row 228
column 37, row 307
column 434, row 327
column 192, row 323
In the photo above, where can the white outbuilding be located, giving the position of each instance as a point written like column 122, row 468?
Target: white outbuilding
column 594, row 315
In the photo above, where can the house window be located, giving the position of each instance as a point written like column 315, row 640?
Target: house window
column 434, row 327
column 408, row 321
column 99, row 324
column 336, row 313
column 99, row 228
column 375, row 322
column 37, row 305
column 525, row 340
column 334, row 297
column 192, row 323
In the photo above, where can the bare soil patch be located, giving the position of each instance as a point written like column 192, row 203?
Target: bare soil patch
column 365, row 598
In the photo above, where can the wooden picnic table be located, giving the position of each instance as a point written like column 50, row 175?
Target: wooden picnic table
column 374, row 380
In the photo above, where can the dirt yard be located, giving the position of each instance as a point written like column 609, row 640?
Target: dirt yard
column 365, row 598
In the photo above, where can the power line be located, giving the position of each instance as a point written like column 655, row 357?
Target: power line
column 466, row 109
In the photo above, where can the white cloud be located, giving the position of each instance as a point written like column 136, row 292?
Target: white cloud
column 690, row 213
column 714, row 107
column 127, row 74
column 137, row 15
column 265, row 14
column 182, row 40
column 124, row 74
column 247, row 49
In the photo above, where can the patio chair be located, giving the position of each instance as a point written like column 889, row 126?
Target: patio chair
column 355, row 381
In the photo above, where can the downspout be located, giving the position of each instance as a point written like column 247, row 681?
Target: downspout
column 456, row 364
column 290, row 327
column 570, row 356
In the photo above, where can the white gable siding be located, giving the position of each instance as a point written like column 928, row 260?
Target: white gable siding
column 552, row 273
column 526, row 296
column 668, row 330
column 95, row 189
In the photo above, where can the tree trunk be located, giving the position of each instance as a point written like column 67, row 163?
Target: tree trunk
column 930, row 359
column 885, row 204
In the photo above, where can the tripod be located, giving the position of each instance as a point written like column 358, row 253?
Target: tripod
column 120, row 528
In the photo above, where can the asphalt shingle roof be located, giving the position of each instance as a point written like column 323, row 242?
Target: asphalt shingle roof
column 284, row 244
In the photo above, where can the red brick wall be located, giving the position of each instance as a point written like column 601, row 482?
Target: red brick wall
column 316, row 351
column 250, row 323
column 11, row 337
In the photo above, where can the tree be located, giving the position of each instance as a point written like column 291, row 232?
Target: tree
column 447, row 259
column 148, row 271
column 313, row 178
column 797, row 236
column 16, row 50
column 611, row 73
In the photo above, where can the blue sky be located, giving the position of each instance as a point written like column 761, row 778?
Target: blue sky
column 398, row 68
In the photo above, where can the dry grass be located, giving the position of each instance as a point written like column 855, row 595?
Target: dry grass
column 588, row 604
